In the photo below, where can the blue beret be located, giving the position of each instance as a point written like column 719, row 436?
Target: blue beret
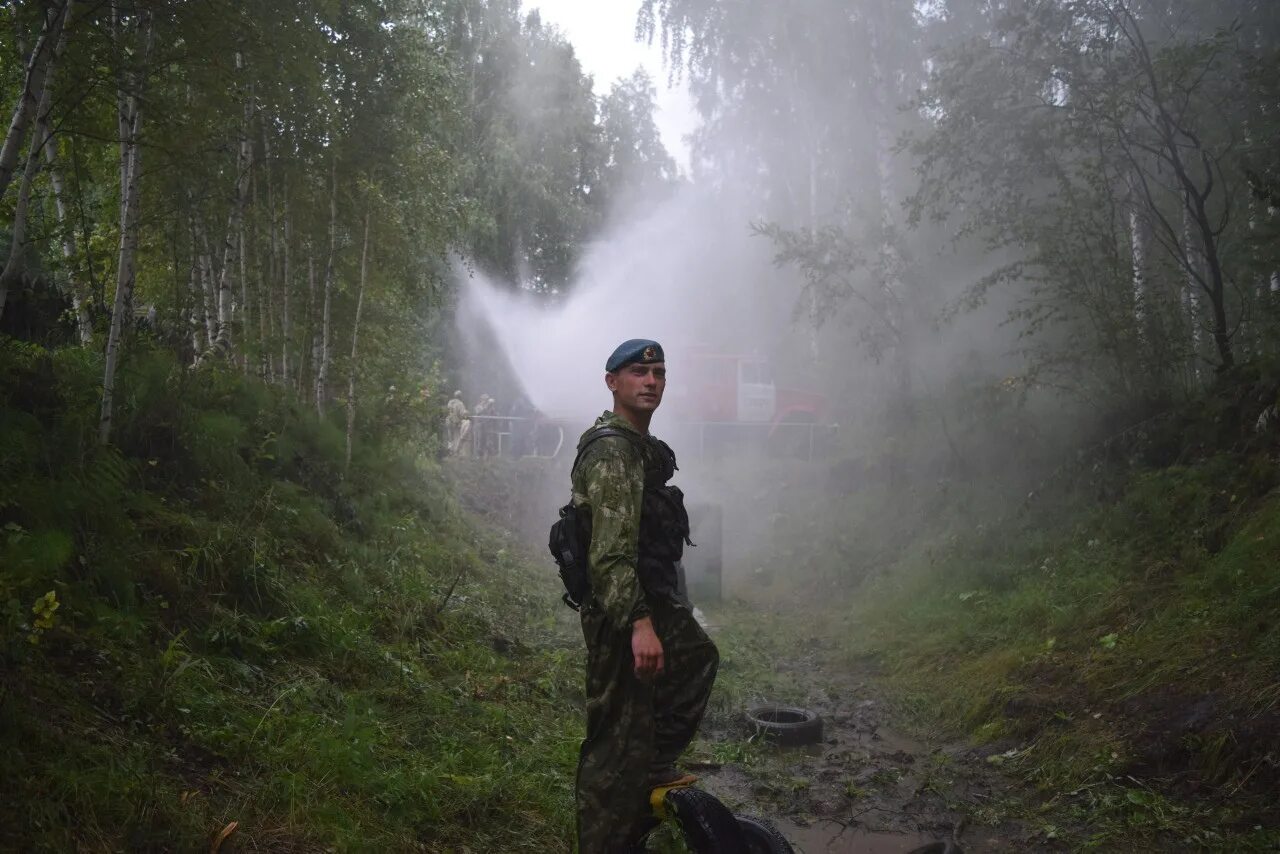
column 636, row 351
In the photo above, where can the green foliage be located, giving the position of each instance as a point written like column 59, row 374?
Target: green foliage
column 308, row 187
column 1112, row 636
column 636, row 165
column 229, row 630
column 1061, row 145
column 44, row 609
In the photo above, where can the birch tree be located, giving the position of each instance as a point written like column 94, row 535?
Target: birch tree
column 355, row 343
column 75, row 288
column 211, row 177
column 34, row 86
column 133, row 84
column 323, row 355
column 1096, row 144
column 41, row 142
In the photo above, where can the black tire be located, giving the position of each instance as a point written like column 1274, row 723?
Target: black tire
column 641, row 844
column 943, row 846
column 762, row 837
column 708, row 825
column 786, row 726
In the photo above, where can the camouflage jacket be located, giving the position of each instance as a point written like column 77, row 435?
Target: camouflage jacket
column 608, row 483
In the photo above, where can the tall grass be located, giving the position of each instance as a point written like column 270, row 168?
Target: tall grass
column 243, row 635
column 1112, row 635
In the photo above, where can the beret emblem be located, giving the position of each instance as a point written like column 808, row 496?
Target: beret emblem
column 634, row 350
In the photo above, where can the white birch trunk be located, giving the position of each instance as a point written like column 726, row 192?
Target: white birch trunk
column 242, row 261
column 225, row 300
column 245, row 158
column 355, row 340
column 313, row 328
column 208, row 281
column 41, row 139
column 84, row 325
column 34, row 86
column 1138, row 245
column 286, row 331
column 268, row 279
column 131, row 161
column 195, row 297
column 1191, row 291
column 227, row 308
column 322, row 367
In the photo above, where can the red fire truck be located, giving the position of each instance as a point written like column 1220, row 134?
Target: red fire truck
column 715, row 401
column 738, row 389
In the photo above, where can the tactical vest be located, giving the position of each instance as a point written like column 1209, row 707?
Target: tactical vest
column 664, row 523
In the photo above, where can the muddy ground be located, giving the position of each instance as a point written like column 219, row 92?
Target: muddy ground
column 866, row 787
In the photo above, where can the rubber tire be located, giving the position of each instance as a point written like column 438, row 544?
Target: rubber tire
column 943, row 846
column 641, row 844
column 807, row 730
column 762, row 837
column 708, row 825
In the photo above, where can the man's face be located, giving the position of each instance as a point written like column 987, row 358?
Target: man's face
column 638, row 387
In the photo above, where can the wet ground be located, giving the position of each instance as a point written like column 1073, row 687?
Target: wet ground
column 866, row 788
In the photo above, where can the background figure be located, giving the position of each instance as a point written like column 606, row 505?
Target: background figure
column 481, row 431
column 456, row 422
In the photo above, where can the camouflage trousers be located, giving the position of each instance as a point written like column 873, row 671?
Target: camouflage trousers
column 635, row 726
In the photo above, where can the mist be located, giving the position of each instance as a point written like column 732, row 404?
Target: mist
column 687, row 274
column 780, row 243
column 816, row 229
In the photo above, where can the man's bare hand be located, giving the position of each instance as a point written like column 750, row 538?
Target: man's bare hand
column 646, row 648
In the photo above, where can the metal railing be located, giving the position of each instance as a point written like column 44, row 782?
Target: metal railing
column 522, row 436
column 511, row 433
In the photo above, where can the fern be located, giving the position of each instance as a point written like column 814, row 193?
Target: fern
column 102, row 484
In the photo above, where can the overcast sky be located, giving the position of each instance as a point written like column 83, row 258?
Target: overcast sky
column 603, row 35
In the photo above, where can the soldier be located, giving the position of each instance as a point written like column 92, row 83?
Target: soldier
column 650, row 667
column 456, row 422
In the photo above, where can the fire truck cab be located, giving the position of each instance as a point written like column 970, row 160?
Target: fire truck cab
column 731, row 388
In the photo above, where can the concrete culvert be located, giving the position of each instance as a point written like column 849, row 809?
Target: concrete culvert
column 786, row 726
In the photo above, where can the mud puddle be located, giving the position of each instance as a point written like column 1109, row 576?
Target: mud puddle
column 867, row 788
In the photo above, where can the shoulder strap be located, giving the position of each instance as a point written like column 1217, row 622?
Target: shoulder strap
column 593, row 436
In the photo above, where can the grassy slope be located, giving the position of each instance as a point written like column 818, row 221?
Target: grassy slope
column 1115, row 639
column 244, row 635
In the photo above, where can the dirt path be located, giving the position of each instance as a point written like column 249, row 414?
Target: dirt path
column 866, row 788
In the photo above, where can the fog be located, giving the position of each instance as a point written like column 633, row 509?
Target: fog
column 688, row 273
column 692, row 269
column 849, row 220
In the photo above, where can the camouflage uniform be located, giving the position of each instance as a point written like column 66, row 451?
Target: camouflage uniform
column 632, row 726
